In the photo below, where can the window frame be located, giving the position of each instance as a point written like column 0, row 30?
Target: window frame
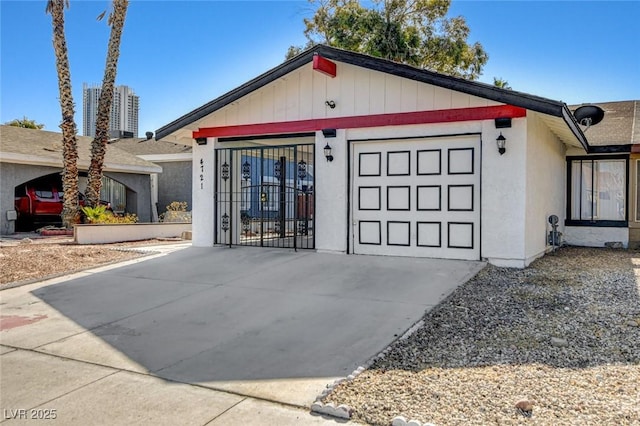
column 595, row 222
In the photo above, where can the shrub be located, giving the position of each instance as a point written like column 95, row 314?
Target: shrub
column 127, row 218
column 177, row 206
column 100, row 214
column 176, row 212
column 95, row 214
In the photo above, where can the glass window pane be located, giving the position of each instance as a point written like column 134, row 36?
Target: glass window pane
column 575, row 189
column 587, row 198
column 609, row 189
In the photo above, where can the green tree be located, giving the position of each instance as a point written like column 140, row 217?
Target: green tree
column 25, row 123
column 414, row 32
column 501, row 83
column 70, row 210
column 98, row 145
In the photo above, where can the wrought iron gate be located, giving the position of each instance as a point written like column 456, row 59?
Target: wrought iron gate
column 264, row 196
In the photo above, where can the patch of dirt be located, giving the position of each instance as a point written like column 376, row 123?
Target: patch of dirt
column 29, row 259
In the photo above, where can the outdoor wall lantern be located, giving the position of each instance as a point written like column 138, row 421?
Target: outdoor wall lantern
column 201, row 141
column 327, row 152
column 501, row 141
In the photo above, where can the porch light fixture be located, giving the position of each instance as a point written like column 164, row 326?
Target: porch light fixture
column 501, row 141
column 327, row 152
column 201, row 141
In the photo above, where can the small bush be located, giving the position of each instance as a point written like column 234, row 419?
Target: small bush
column 177, row 206
column 176, row 212
column 100, row 214
column 95, row 214
column 127, row 218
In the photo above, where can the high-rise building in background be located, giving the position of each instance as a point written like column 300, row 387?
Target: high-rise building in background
column 123, row 121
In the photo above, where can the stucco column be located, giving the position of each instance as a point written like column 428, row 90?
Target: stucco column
column 203, row 171
column 331, row 193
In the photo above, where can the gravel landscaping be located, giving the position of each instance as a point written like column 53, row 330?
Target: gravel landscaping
column 560, row 340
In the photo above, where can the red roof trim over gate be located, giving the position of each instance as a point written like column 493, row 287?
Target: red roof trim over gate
column 360, row 121
column 324, row 65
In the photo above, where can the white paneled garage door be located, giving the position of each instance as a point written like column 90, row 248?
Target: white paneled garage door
column 417, row 197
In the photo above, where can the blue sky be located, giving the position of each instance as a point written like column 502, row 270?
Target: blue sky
column 179, row 55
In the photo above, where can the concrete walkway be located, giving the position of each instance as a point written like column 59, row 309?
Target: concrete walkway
column 207, row 335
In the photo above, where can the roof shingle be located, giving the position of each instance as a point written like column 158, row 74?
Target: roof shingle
column 46, row 147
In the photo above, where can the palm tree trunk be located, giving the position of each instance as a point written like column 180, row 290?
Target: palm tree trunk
column 99, row 144
column 70, row 211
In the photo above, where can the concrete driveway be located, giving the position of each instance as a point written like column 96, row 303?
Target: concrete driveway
column 274, row 325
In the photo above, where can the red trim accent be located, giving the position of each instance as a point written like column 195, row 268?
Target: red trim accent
column 360, row 121
column 324, row 65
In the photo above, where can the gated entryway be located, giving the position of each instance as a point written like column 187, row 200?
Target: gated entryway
column 264, row 196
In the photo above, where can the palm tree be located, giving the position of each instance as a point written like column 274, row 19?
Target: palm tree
column 98, row 146
column 501, row 83
column 70, row 210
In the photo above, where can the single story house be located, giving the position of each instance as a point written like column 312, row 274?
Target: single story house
column 174, row 183
column 28, row 155
column 403, row 162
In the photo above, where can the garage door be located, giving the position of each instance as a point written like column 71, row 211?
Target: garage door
column 417, row 197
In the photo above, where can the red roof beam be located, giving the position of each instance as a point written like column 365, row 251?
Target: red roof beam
column 361, row 121
column 324, row 66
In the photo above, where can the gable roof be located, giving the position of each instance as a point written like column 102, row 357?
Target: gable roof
column 41, row 147
column 531, row 102
column 620, row 125
column 144, row 146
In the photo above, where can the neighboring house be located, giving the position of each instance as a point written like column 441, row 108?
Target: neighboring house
column 405, row 162
column 28, row 155
column 602, row 198
column 174, row 183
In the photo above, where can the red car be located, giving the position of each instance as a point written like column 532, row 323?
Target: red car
column 42, row 204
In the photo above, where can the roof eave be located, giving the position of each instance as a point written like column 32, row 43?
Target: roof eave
column 263, row 79
column 572, row 123
column 510, row 97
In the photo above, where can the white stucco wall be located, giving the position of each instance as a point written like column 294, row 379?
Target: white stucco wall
column 356, row 91
column 595, row 236
column 331, row 194
column 518, row 190
column 202, row 213
column 546, row 185
column 503, row 194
